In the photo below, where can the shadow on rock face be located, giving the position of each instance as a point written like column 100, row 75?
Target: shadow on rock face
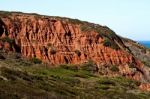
column 1, row 27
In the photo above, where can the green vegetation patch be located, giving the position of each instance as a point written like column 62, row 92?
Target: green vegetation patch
column 35, row 60
column 89, row 66
column 7, row 39
column 66, row 81
column 109, row 43
column 5, row 14
column 114, row 68
column 75, row 21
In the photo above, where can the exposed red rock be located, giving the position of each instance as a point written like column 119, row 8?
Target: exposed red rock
column 34, row 34
column 145, row 87
column 59, row 41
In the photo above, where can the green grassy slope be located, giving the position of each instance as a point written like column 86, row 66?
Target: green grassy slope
column 21, row 78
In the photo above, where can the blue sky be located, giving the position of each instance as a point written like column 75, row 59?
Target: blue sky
column 128, row 18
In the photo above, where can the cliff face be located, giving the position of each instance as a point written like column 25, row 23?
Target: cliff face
column 39, row 36
column 57, row 40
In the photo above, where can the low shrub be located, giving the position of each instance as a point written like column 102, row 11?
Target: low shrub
column 112, row 34
column 5, row 14
column 103, row 87
column 70, row 80
column 114, row 68
column 75, row 21
column 132, row 65
column 22, row 62
column 85, row 28
column 70, row 67
column 7, row 39
column 36, row 60
column 106, row 81
column 146, row 63
column 13, row 56
column 89, row 66
column 107, row 42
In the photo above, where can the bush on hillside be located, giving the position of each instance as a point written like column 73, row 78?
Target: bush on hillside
column 89, row 66
column 114, row 68
column 75, row 21
column 85, row 28
column 107, row 42
column 70, row 67
column 36, row 60
column 7, row 39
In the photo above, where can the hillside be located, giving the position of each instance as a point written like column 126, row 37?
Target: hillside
column 48, row 52
column 27, row 79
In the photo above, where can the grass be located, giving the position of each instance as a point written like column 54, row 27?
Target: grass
column 5, row 14
column 20, row 78
column 75, row 21
column 85, row 28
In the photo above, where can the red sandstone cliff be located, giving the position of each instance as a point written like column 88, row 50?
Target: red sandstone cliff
column 57, row 40
column 37, row 36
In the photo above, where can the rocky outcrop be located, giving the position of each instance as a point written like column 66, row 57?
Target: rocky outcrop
column 57, row 40
column 37, row 36
column 145, row 87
